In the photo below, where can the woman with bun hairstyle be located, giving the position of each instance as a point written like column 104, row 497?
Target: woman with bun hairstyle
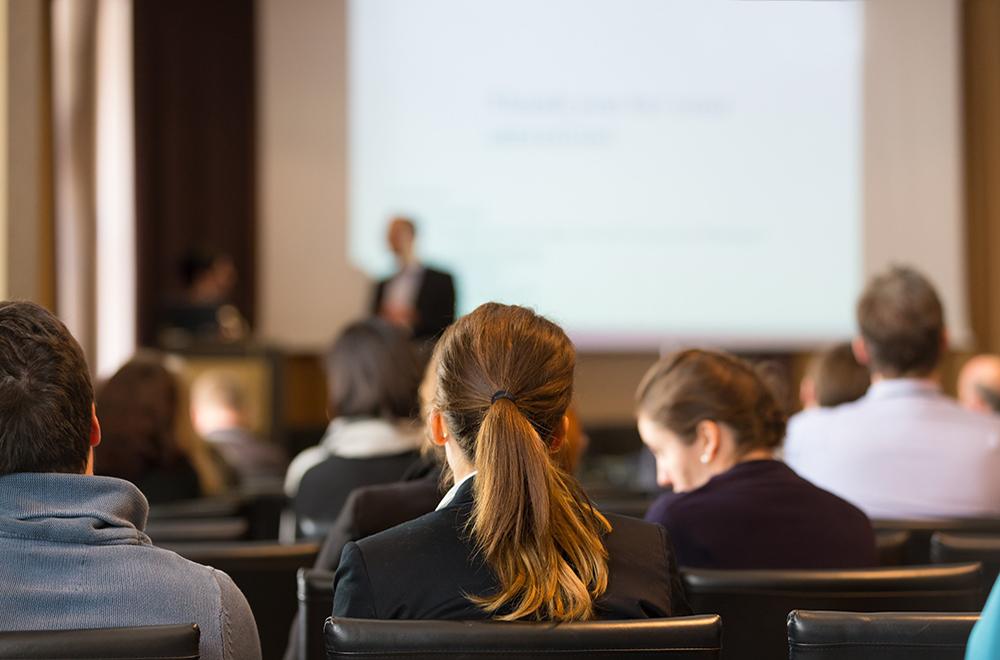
column 713, row 426
column 515, row 538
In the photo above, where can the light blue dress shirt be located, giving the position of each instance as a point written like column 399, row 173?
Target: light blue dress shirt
column 984, row 642
column 903, row 451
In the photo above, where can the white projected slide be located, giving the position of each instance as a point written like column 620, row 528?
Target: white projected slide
column 640, row 171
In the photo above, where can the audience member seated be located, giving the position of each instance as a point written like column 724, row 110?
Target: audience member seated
column 979, row 384
column 219, row 415
column 984, row 642
column 514, row 537
column 713, row 426
column 904, row 450
column 834, row 377
column 73, row 547
column 138, row 409
column 373, row 373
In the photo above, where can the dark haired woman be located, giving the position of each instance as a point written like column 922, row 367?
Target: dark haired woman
column 713, row 426
column 373, row 373
column 515, row 538
column 138, row 413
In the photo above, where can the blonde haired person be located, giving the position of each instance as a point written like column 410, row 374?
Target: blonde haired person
column 515, row 537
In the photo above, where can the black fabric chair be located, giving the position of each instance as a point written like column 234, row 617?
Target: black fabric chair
column 315, row 605
column 681, row 638
column 260, row 510
column 984, row 548
column 880, row 636
column 176, row 642
column 891, row 545
column 755, row 604
column 205, row 507
column 918, row 549
column 265, row 573
column 197, row 530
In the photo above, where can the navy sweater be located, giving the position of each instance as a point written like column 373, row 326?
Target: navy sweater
column 760, row 514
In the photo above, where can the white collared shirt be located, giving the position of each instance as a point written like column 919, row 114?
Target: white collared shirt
column 902, row 451
column 450, row 495
column 404, row 287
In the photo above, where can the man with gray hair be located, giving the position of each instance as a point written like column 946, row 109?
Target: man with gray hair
column 904, row 450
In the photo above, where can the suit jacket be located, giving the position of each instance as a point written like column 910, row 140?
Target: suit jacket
column 435, row 303
column 423, row 569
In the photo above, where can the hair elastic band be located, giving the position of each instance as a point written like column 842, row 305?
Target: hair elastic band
column 502, row 394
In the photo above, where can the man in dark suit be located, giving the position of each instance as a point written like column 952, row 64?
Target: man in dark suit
column 417, row 297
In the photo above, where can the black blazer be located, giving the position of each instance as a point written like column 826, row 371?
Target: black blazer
column 424, row 568
column 435, row 303
column 325, row 487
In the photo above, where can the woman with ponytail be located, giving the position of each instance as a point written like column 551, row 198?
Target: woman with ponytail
column 514, row 538
column 713, row 426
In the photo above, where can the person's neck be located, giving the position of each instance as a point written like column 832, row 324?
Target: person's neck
column 759, row 454
column 933, row 378
column 459, row 464
column 404, row 261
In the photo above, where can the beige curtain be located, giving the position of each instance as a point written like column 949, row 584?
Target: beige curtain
column 74, row 24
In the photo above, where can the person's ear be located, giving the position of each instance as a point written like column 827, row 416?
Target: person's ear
column 860, row 350
column 709, row 438
column 438, row 429
column 559, row 434
column 95, row 427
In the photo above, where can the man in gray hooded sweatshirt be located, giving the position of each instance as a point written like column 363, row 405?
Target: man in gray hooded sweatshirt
column 73, row 547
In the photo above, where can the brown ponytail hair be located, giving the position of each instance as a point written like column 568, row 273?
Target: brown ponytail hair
column 689, row 387
column 531, row 521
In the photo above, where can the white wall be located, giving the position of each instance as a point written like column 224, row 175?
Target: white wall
column 307, row 290
column 913, row 146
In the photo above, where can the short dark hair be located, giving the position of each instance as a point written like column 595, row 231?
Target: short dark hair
column 373, row 370
column 693, row 386
column 46, row 395
column 838, row 377
column 901, row 320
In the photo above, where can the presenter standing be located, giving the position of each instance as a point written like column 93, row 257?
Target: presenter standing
column 416, row 297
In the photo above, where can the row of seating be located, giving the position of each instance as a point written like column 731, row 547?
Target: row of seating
column 811, row 635
column 754, row 604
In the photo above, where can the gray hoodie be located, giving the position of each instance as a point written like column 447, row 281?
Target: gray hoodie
column 75, row 556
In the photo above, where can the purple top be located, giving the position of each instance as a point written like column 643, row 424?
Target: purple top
column 760, row 515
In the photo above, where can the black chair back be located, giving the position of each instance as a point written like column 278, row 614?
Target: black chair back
column 197, row 530
column 265, row 573
column 918, row 549
column 880, row 636
column 176, row 642
column 955, row 548
column 681, row 638
column 891, row 545
column 755, row 604
column 315, row 605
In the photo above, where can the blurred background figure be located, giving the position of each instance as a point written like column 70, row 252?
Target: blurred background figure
column 205, row 312
column 416, row 297
column 373, row 375
column 138, row 413
column 219, row 416
column 834, row 377
column 979, row 384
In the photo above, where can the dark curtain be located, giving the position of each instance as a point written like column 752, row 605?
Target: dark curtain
column 195, row 153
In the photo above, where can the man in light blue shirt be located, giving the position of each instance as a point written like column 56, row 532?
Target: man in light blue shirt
column 904, row 450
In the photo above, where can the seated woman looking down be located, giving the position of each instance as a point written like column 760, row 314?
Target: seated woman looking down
column 713, row 426
column 515, row 537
